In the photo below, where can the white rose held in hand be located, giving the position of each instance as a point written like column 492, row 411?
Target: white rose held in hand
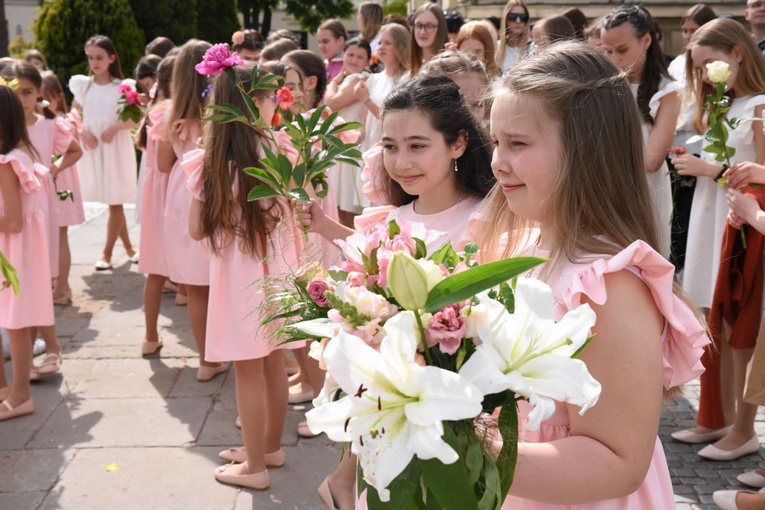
column 393, row 406
column 528, row 353
column 718, row 71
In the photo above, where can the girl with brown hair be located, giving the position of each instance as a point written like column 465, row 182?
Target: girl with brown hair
column 513, row 34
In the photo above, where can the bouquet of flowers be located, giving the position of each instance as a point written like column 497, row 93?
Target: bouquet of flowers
column 130, row 104
column 316, row 139
column 423, row 348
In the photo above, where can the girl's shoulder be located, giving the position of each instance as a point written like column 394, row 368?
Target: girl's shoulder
column 684, row 338
column 25, row 169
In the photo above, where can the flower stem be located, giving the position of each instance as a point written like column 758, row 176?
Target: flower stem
column 423, row 341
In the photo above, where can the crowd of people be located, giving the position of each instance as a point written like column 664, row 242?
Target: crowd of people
column 563, row 138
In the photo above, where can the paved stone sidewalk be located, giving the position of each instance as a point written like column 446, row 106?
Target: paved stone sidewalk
column 160, row 430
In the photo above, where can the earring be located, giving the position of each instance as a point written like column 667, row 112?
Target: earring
column 455, row 166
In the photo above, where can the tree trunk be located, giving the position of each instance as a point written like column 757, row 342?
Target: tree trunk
column 3, row 31
column 265, row 28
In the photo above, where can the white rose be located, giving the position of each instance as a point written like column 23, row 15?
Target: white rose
column 718, row 71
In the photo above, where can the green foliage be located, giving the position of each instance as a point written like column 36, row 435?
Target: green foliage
column 19, row 47
column 176, row 19
column 216, row 20
column 311, row 14
column 64, row 26
column 395, row 7
column 8, row 276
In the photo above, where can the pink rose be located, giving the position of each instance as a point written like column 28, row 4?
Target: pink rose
column 237, row 37
column 446, row 329
column 124, row 88
column 217, row 59
column 316, row 290
column 286, row 101
column 132, row 97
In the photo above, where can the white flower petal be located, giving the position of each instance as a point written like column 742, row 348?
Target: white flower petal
column 331, row 418
column 443, row 395
column 576, row 326
column 542, row 409
column 535, row 297
column 563, row 379
column 485, row 369
column 426, row 443
column 353, row 364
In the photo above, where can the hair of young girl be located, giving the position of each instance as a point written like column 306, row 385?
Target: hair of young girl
column 34, row 54
column 725, row 35
column 164, row 81
column 252, row 41
column 455, row 63
column 396, row 19
column 655, row 65
column 336, row 27
column 187, row 86
column 106, row 44
column 478, row 31
column 160, row 46
column 360, row 43
column 229, row 148
column 277, row 49
column 701, row 14
column 27, row 71
column 593, row 29
column 454, row 21
column 147, row 67
column 400, row 36
column 310, row 65
column 371, row 19
column 556, row 28
column 278, row 69
column 442, row 36
column 508, row 37
column 578, row 21
column 603, row 203
column 441, row 101
column 280, row 34
column 52, row 86
column 13, row 125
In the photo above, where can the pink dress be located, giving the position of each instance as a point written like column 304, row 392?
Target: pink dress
column 234, row 331
column 28, row 251
column 188, row 261
column 683, row 342
column 70, row 211
column 153, row 200
column 51, row 137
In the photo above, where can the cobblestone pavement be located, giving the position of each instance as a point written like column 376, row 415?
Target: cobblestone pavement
column 115, row 431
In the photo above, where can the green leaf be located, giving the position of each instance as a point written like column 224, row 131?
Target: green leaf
column 404, row 490
column 261, row 192
column 300, row 194
column 254, row 110
column 694, row 139
column 393, row 228
column 473, row 461
column 10, row 278
column 447, row 256
column 449, row 482
column 226, row 108
column 467, row 284
column 262, row 175
column 316, row 328
column 298, row 175
column 492, row 498
column 420, row 250
column 508, row 455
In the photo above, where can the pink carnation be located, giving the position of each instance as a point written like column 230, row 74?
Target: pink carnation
column 446, row 328
column 316, row 290
column 133, row 98
column 217, row 59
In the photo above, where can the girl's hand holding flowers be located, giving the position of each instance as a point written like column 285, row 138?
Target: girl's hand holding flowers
column 745, row 173
column 309, row 213
column 743, row 206
column 690, row 165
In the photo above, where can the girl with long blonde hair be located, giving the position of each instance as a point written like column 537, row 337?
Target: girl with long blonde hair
column 513, row 34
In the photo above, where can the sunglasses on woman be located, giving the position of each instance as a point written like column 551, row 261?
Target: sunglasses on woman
column 514, row 16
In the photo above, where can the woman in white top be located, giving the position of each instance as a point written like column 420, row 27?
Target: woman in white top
column 514, row 34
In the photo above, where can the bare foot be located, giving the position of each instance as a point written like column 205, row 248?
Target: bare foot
column 749, row 501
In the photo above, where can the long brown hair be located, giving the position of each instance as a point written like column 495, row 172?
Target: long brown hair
column 442, row 36
column 371, row 19
column 229, row 148
column 478, row 31
column 13, row 126
column 52, row 86
column 400, row 36
column 603, row 203
column 724, row 35
column 506, row 37
column 106, row 44
column 187, row 87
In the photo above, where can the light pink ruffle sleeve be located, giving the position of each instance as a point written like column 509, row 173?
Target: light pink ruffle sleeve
column 684, row 338
column 28, row 176
column 63, row 134
column 192, row 165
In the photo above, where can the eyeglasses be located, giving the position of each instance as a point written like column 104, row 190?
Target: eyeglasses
column 755, row 5
column 514, row 16
column 274, row 98
column 425, row 27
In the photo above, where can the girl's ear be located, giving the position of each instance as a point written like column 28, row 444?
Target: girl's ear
column 460, row 145
column 646, row 41
column 738, row 55
column 310, row 83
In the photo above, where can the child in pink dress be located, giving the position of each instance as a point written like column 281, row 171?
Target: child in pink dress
column 434, row 168
column 70, row 211
column 153, row 262
column 24, row 217
column 565, row 167
column 50, row 136
column 249, row 242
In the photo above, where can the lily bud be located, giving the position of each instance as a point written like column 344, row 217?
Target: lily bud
column 407, row 281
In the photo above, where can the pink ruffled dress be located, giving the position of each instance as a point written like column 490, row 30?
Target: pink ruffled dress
column 153, row 199
column 28, row 251
column 188, row 261
column 70, row 211
column 683, row 342
column 51, row 137
column 234, row 331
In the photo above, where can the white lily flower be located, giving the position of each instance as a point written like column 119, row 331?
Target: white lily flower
column 529, row 353
column 394, row 407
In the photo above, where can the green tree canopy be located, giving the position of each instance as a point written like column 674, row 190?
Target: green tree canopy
column 64, row 26
column 216, row 20
column 176, row 19
column 312, row 14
